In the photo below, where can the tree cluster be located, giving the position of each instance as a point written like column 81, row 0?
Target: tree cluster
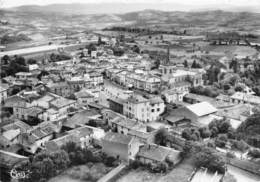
column 7, row 39
column 195, row 65
column 59, row 57
column 207, row 91
column 250, row 130
column 118, row 51
column 12, row 65
column 44, row 165
column 208, row 158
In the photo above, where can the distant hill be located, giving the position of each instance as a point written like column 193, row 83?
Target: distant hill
column 56, row 19
column 100, row 13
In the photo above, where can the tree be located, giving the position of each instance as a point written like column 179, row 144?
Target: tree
column 222, row 126
column 226, row 87
column 239, row 88
column 254, row 152
column 70, row 147
column 191, row 134
column 110, row 161
column 208, row 158
column 221, row 140
column 185, row 63
column 92, row 123
column 240, row 145
column 31, row 61
column 60, row 160
column 204, row 132
column 161, row 136
column 187, row 148
column 136, row 49
column 91, row 47
column 5, row 59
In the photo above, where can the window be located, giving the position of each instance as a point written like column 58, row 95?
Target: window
column 158, row 109
column 152, row 110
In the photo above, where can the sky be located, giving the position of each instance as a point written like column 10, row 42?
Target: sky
column 184, row 3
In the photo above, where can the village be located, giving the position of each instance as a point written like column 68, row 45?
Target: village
column 106, row 109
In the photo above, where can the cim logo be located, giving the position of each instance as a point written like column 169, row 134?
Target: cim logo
column 19, row 174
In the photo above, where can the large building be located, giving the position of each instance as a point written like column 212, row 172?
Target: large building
column 120, row 146
column 142, row 109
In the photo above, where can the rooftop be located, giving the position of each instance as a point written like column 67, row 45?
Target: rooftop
column 246, row 97
column 202, row 108
column 117, row 138
column 156, row 152
column 81, row 118
column 62, row 102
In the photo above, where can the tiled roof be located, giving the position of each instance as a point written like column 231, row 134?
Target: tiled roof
column 62, row 102
column 117, row 138
column 156, row 152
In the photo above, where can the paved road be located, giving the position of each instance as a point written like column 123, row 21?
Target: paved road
column 242, row 175
column 112, row 173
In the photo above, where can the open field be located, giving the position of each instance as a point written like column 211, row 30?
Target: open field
column 180, row 173
column 88, row 172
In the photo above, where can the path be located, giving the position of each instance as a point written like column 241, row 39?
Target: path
column 112, row 173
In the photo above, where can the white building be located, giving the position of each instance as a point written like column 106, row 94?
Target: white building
column 145, row 110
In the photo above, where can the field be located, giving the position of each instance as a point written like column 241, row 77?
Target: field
column 180, row 173
column 89, row 172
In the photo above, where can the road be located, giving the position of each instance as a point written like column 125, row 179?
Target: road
column 242, row 175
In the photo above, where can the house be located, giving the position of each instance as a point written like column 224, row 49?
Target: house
column 11, row 136
column 83, row 97
column 142, row 109
column 120, row 146
column 201, row 113
column 236, row 114
column 36, row 138
column 83, row 136
column 223, row 98
column 62, row 104
column 116, row 104
column 173, row 95
column 23, row 75
column 181, row 75
column 155, row 155
column 17, row 124
column 81, row 118
column 20, row 103
column 196, row 98
column 96, row 78
column 240, row 97
column 3, row 92
column 126, row 126
column 60, row 88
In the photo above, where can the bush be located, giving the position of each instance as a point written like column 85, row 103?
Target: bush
column 230, row 155
column 110, row 161
column 240, row 145
column 204, row 132
column 135, row 164
column 221, row 141
column 191, row 134
column 254, row 153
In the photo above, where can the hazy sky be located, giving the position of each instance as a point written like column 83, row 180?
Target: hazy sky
column 188, row 3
